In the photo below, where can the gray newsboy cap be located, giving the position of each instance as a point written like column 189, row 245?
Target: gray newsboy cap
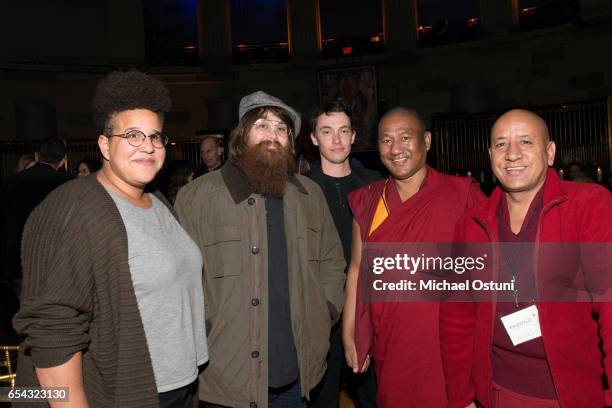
column 260, row 99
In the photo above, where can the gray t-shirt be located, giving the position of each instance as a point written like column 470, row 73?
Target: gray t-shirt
column 166, row 269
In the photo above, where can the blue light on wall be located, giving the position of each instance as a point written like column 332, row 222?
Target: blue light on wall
column 190, row 5
column 258, row 21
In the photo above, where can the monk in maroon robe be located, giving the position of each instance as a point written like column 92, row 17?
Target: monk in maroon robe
column 415, row 204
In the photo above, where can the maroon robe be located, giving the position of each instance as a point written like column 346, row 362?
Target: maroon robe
column 402, row 337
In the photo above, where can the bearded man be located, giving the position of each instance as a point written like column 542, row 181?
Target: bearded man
column 273, row 267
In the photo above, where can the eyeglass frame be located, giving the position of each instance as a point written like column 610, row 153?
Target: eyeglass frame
column 275, row 124
column 162, row 137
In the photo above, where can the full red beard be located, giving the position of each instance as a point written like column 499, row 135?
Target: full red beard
column 267, row 170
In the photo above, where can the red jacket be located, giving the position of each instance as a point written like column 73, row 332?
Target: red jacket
column 571, row 212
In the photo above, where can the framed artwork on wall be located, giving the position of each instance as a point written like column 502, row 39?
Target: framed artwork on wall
column 357, row 85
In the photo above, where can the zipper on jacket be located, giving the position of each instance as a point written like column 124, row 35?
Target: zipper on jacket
column 494, row 310
column 496, row 261
column 537, row 239
column 535, row 271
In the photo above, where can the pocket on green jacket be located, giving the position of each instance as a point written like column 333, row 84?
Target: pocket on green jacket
column 222, row 251
column 313, row 244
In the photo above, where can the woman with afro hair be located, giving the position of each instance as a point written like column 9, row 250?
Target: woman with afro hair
column 112, row 302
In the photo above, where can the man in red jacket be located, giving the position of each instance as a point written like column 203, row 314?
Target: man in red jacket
column 530, row 350
column 415, row 204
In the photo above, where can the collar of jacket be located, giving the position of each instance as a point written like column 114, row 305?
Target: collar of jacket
column 43, row 165
column 314, row 170
column 239, row 187
column 553, row 193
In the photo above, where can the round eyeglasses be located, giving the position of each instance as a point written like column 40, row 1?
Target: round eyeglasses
column 264, row 126
column 136, row 138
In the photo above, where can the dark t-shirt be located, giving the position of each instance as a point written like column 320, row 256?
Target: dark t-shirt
column 282, row 361
column 336, row 190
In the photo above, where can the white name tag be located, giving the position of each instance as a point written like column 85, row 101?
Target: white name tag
column 523, row 325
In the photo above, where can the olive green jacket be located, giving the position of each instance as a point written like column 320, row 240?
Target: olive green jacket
column 228, row 221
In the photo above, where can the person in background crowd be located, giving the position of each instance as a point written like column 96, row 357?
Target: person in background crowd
column 9, row 304
column 211, row 154
column 112, row 304
column 332, row 132
column 577, row 172
column 24, row 162
column 178, row 173
column 273, row 265
column 561, row 361
column 88, row 166
column 10, row 275
column 21, row 193
column 415, row 204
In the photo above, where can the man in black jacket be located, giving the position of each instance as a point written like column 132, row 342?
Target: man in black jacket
column 332, row 132
column 22, row 192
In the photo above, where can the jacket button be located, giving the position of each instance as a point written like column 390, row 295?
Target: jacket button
column 255, row 250
column 255, row 354
column 251, row 201
column 253, row 405
column 255, row 302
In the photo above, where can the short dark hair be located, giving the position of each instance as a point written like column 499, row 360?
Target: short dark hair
column 338, row 105
column 121, row 91
column 238, row 137
column 51, row 150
